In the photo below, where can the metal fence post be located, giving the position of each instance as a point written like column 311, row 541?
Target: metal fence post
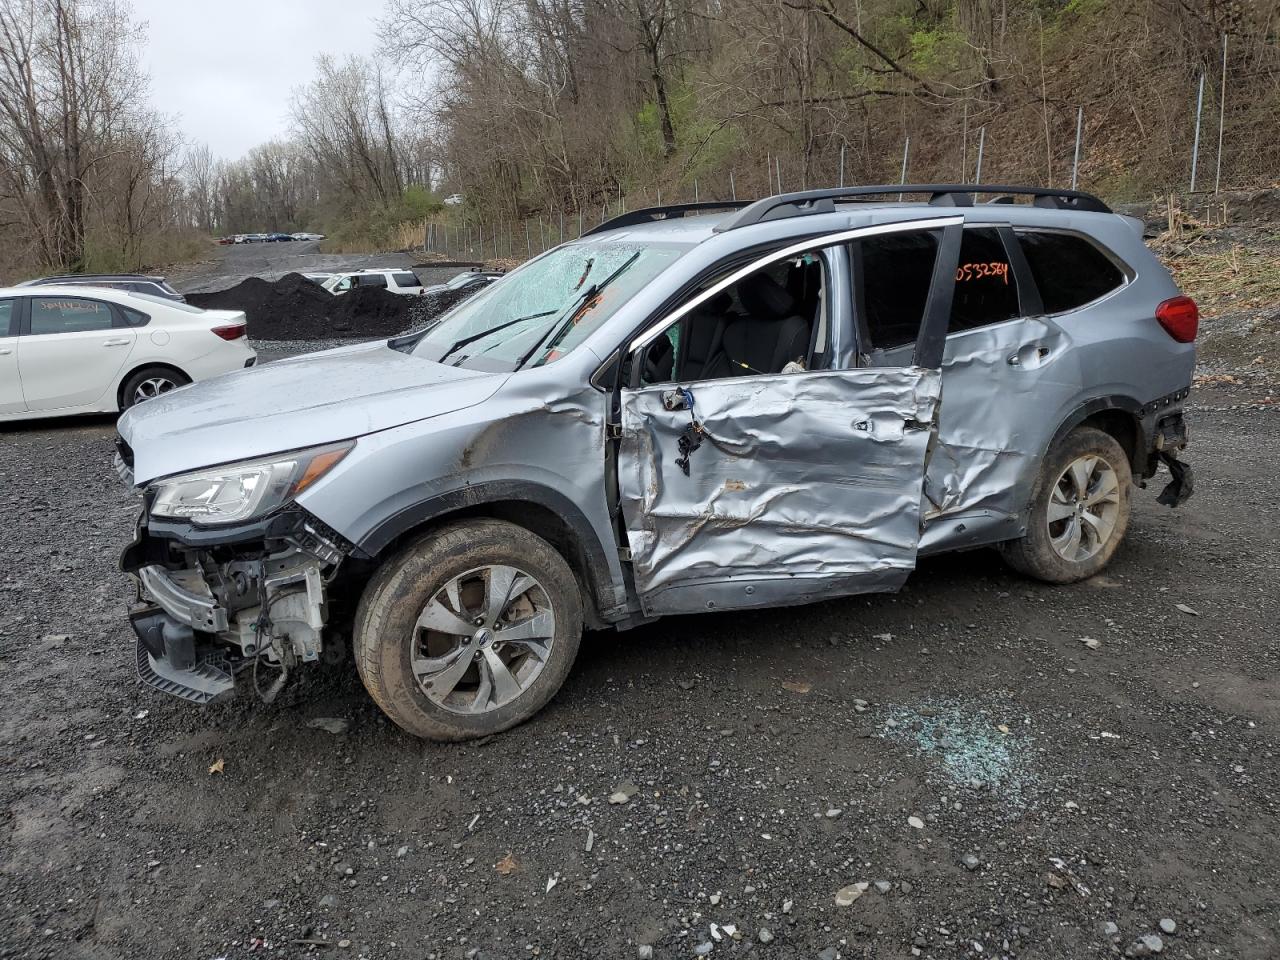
column 1222, row 116
column 562, row 226
column 982, row 143
column 1195, row 145
column 778, row 165
column 733, row 190
column 906, row 149
column 842, row 164
column 528, row 240
column 1075, row 164
column 695, row 190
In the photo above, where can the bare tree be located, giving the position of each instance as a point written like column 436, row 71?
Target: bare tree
column 68, row 80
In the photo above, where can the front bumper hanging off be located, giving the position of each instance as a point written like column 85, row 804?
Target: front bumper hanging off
column 207, row 612
column 168, row 660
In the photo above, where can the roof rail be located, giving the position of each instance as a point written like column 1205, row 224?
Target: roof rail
column 669, row 212
column 807, row 202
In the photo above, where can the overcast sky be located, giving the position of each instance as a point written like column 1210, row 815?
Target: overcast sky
column 227, row 68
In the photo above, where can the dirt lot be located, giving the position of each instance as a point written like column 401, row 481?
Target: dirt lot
column 1002, row 788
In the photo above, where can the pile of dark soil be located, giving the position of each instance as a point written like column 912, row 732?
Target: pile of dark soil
column 294, row 308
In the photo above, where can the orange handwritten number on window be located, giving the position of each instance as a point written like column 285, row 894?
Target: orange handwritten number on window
column 978, row 271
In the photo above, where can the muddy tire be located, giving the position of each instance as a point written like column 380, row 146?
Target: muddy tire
column 469, row 630
column 1079, row 510
column 148, row 383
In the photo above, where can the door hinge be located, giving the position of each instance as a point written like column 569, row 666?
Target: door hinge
column 624, row 554
column 613, row 431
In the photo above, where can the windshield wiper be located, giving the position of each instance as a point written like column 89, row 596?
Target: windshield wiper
column 585, row 297
column 458, row 345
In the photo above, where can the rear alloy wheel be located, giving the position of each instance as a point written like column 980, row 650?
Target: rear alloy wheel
column 468, row 631
column 149, row 383
column 1079, row 510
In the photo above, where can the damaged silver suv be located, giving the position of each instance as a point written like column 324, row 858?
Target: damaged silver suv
column 692, row 408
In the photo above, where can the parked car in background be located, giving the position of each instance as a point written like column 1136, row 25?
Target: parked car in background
column 308, row 236
column 240, row 238
column 280, row 238
column 468, row 283
column 136, row 282
column 681, row 411
column 75, row 349
column 318, row 278
column 454, row 200
column 255, row 238
column 393, row 281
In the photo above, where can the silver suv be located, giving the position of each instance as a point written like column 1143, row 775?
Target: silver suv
column 694, row 408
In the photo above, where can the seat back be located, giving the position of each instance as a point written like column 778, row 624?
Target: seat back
column 772, row 333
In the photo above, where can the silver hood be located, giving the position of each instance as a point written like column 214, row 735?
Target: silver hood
column 291, row 404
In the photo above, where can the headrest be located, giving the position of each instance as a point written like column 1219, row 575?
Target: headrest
column 763, row 297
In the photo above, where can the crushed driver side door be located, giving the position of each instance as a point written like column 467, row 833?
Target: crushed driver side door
column 803, row 485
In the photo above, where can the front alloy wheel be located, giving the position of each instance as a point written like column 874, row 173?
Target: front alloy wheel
column 483, row 639
column 469, row 630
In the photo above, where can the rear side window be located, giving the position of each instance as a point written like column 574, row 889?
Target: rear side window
column 134, row 318
column 372, row 280
column 1069, row 270
column 893, row 274
column 406, row 280
column 986, row 290
column 7, row 327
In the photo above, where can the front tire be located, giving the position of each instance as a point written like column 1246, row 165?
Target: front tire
column 1079, row 510
column 468, row 631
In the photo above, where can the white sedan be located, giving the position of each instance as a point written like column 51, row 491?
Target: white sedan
column 75, row 349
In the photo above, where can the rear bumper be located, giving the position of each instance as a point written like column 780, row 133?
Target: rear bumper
column 1164, row 433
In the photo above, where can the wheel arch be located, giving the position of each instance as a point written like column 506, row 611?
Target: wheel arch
column 146, row 365
column 1118, row 416
column 540, row 510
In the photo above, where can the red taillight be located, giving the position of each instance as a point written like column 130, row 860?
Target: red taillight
column 233, row 331
column 1180, row 318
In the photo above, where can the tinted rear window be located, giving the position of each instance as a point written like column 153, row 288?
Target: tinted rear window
column 986, row 291
column 407, row 280
column 1069, row 270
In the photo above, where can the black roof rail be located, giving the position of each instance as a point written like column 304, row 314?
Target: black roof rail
column 807, row 202
column 670, row 212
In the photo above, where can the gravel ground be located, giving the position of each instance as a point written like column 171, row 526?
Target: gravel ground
column 954, row 763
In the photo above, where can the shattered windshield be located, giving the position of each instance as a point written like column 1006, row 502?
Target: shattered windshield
column 546, row 308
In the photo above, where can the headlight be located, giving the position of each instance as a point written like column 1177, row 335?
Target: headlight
column 241, row 491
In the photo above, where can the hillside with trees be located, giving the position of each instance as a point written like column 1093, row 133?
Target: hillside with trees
column 568, row 108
